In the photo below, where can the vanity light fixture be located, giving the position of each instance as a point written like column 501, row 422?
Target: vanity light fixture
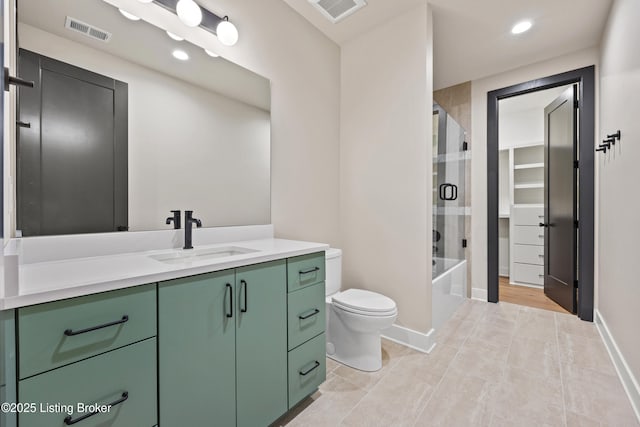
column 189, row 13
column 227, row 32
column 521, row 27
column 174, row 36
column 129, row 15
column 180, row 54
column 211, row 54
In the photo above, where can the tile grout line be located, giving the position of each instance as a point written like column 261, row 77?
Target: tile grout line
column 502, row 379
column 367, row 392
column 444, row 374
column 564, row 402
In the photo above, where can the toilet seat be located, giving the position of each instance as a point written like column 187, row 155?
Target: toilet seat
column 359, row 301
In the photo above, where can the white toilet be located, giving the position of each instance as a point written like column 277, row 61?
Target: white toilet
column 355, row 318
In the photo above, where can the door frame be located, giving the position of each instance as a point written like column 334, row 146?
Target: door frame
column 585, row 78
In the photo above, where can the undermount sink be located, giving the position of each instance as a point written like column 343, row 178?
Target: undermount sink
column 182, row 256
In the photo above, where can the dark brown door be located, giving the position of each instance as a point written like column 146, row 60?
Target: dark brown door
column 560, row 184
column 72, row 157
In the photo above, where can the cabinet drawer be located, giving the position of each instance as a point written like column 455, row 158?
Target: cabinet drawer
column 52, row 335
column 528, row 254
column 527, row 273
column 528, row 215
column 305, row 270
column 528, row 235
column 306, row 314
column 99, row 380
column 307, row 369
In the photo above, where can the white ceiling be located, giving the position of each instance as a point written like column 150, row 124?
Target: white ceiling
column 472, row 38
column 530, row 101
column 373, row 13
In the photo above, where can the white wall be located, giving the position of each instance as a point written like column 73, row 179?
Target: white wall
column 479, row 90
column 189, row 148
column 304, row 68
column 385, row 163
column 619, row 270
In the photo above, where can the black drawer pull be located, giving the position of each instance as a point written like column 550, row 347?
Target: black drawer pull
column 243, row 285
column 71, row 332
column 230, row 290
column 69, row 420
column 311, row 270
column 306, row 316
column 308, row 371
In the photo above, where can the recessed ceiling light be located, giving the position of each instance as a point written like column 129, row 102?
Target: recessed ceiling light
column 175, row 36
column 211, row 54
column 521, row 27
column 180, row 54
column 129, row 15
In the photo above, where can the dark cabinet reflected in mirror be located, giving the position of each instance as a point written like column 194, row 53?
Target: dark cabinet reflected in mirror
column 118, row 133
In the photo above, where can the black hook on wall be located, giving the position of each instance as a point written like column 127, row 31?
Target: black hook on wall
column 607, row 143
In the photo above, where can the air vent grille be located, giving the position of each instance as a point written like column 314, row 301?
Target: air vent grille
column 88, row 30
column 336, row 10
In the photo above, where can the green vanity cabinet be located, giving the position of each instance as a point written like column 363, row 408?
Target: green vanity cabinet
column 97, row 349
column 306, row 314
column 61, row 332
column 261, row 343
column 124, row 378
column 196, row 348
column 223, row 347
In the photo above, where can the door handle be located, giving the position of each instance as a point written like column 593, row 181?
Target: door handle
column 230, row 290
column 442, row 191
column 243, row 285
column 17, row 81
column 542, row 224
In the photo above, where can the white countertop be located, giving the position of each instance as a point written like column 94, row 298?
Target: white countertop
column 42, row 282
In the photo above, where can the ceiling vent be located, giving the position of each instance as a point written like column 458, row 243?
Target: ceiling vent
column 337, row 10
column 78, row 26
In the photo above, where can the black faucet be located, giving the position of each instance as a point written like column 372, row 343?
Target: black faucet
column 188, row 225
column 175, row 219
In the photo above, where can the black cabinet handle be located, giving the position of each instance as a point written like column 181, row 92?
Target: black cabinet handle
column 70, row 421
column 71, row 332
column 306, row 316
column 12, row 80
column 308, row 371
column 243, row 285
column 230, row 289
column 311, row 270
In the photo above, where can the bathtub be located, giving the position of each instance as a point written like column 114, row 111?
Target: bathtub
column 449, row 288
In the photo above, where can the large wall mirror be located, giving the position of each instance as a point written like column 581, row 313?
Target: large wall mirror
column 125, row 124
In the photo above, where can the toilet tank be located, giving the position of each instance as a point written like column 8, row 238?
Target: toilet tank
column 333, row 258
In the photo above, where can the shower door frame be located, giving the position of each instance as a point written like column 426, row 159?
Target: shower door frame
column 585, row 79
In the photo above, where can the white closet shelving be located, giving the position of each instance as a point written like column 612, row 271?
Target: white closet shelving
column 521, row 195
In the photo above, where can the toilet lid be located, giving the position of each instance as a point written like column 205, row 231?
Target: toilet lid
column 362, row 300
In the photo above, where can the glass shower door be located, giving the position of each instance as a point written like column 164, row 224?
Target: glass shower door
column 449, row 192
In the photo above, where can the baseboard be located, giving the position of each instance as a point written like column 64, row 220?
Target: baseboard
column 410, row 338
column 479, row 294
column 629, row 382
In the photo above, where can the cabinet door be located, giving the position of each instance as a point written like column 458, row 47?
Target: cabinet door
column 197, row 351
column 261, row 343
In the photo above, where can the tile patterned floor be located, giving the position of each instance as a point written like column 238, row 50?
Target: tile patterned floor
column 494, row 365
